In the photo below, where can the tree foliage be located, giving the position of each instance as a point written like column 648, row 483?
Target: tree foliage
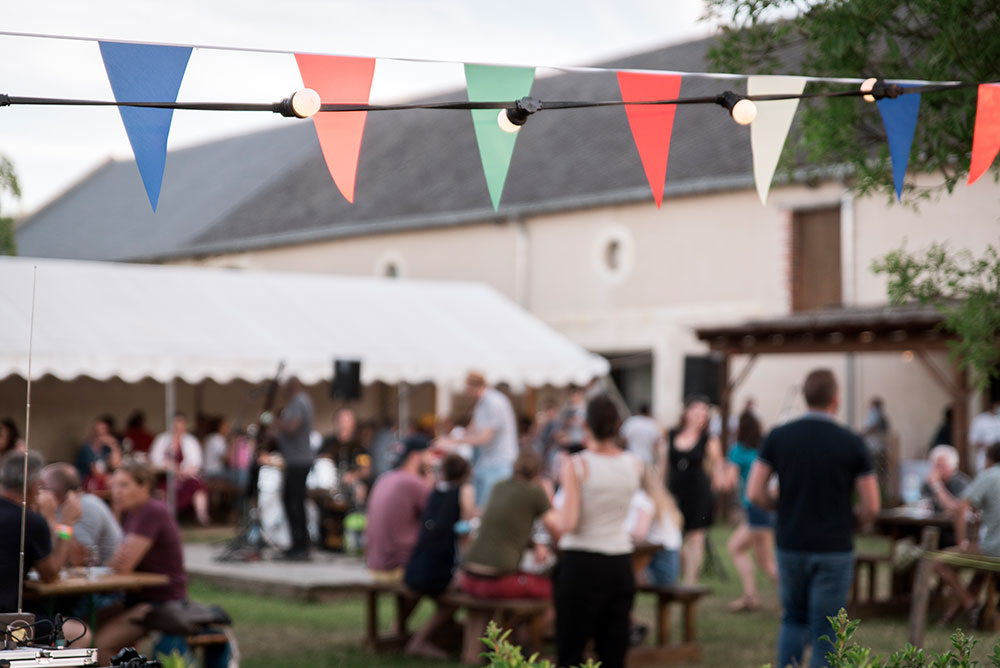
column 965, row 288
column 9, row 185
column 952, row 40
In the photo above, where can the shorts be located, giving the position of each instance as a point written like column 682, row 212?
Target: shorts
column 758, row 518
column 514, row 585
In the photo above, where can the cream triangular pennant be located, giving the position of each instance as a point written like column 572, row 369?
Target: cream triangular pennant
column 770, row 128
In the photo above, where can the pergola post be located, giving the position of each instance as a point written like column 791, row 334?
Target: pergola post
column 957, row 388
column 728, row 387
column 724, row 401
column 960, row 422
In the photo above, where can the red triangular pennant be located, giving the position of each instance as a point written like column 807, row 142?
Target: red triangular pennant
column 340, row 80
column 986, row 136
column 651, row 123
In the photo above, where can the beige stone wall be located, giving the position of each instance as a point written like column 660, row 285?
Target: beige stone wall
column 698, row 260
column 968, row 218
column 480, row 252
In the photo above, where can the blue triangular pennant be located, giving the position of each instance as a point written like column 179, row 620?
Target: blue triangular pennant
column 899, row 116
column 146, row 73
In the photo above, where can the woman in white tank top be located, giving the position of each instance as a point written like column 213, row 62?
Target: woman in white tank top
column 595, row 584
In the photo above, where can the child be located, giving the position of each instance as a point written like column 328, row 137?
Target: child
column 654, row 518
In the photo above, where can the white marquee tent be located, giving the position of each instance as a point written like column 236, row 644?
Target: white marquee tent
column 106, row 320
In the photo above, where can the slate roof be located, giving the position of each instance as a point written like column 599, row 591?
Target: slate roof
column 417, row 169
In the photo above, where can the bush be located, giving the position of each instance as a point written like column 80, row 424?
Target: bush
column 848, row 654
column 504, row 654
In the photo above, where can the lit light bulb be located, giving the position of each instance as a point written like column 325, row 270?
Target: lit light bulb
column 305, row 103
column 740, row 108
column 867, row 86
column 744, row 112
column 503, row 120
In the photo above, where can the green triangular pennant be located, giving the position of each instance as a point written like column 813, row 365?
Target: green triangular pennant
column 489, row 83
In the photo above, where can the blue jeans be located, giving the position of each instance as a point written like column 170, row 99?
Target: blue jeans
column 664, row 568
column 813, row 586
column 484, row 477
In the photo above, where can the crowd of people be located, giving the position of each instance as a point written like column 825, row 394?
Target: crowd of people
column 557, row 511
column 553, row 509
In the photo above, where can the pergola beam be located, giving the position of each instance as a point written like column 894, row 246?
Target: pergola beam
column 883, row 329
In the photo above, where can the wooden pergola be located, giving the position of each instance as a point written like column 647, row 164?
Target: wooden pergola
column 916, row 329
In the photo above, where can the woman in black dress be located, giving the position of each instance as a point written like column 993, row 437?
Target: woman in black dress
column 694, row 463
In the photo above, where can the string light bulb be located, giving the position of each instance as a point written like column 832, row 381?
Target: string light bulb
column 303, row 103
column 511, row 119
column 877, row 89
column 742, row 110
column 867, row 86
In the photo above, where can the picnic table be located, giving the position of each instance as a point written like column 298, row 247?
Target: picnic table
column 90, row 581
column 907, row 521
column 897, row 524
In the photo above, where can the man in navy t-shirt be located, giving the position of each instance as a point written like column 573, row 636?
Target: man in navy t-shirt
column 819, row 465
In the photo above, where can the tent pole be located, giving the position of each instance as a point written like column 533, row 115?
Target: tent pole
column 403, row 408
column 442, row 400
column 170, row 408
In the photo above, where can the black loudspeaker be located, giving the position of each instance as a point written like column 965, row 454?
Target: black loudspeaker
column 702, row 375
column 346, row 383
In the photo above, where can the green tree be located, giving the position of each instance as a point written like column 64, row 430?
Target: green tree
column 9, row 185
column 965, row 288
column 952, row 40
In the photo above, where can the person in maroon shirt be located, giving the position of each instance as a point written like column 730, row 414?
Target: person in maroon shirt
column 152, row 544
column 394, row 507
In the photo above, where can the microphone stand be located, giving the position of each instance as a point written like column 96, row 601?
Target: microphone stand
column 246, row 544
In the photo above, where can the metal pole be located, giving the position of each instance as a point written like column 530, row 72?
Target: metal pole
column 170, row 408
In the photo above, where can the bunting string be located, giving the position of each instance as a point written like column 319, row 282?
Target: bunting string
column 569, row 69
column 145, row 78
column 11, row 100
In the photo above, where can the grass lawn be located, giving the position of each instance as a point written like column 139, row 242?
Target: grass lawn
column 279, row 633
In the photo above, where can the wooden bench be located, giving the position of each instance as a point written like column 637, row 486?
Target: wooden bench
column 528, row 614
column 206, row 642
column 988, row 566
column 405, row 601
column 666, row 652
column 867, row 566
column 508, row 613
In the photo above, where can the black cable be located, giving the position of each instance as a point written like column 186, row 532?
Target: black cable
column 52, row 626
column 82, row 623
column 11, row 633
column 888, row 90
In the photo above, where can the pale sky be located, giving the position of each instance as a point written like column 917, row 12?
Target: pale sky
column 53, row 147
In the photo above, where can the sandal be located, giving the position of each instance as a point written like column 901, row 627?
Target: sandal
column 745, row 604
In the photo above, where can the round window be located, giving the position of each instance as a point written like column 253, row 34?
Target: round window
column 614, row 253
